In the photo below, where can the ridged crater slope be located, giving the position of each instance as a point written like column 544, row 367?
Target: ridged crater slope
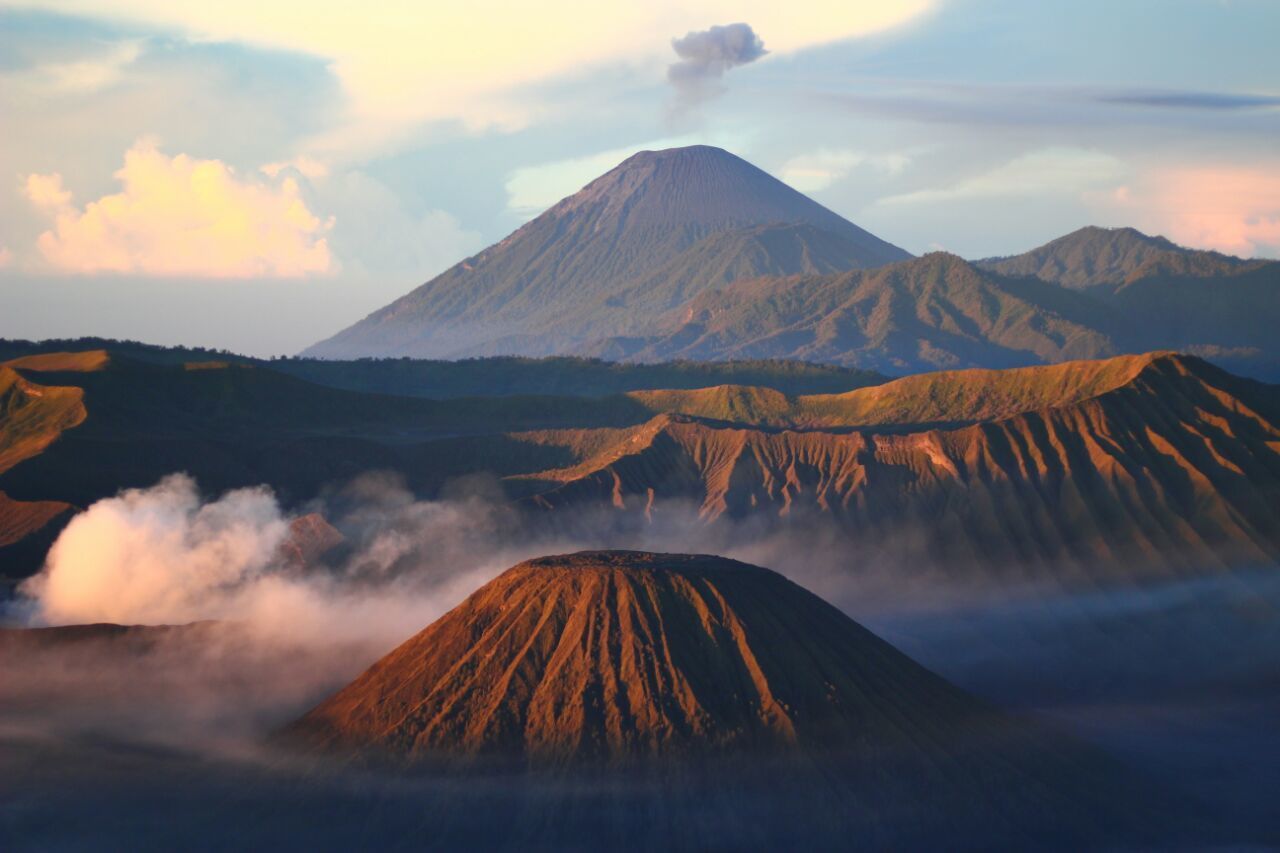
column 1145, row 465
column 614, row 655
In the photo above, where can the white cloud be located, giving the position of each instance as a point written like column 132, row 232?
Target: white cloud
column 405, row 62
column 158, row 554
column 183, row 216
column 78, row 77
column 817, row 170
column 165, row 555
column 1230, row 208
column 6, row 257
column 306, row 166
column 1073, row 172
column 46, row 192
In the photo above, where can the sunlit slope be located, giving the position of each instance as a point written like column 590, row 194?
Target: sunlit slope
column 623, row 654
column 1178, row 466
column 33, row 416
column 943, row 397
column 82, row 361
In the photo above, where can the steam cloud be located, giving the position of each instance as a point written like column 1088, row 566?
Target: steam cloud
column 706, row 55
column 159, row 554
column 163, row 555
column 274, row 634
column 263, row 634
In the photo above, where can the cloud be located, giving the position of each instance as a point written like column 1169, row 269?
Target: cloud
column 706, row 55
column 819, row 169
column 46, row 192
column 183, row 216
column 166, row 555
column 306, row 166
column 6, row 256
column 1045, row 173
column 1194, row 100
column 1233, row 209
column 83, row 76
column 473, row 63
column 158, row 555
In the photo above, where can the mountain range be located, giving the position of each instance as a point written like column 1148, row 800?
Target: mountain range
column 693, row 253
column 1093, row 294
column 1089, row 471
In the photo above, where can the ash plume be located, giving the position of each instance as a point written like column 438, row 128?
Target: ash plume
column 705, row 57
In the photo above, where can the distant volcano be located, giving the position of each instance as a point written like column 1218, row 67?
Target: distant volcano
column 641, row 239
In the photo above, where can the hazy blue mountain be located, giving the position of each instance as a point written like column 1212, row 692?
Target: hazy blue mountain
column 660, row 228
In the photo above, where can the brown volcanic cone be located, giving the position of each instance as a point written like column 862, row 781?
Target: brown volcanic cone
column 624, row 654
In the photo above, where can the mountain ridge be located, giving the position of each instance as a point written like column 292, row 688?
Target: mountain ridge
column 1086, row 257
column 1175, row 470
column 589, row 247
column 940, row 311
column 1115, row 470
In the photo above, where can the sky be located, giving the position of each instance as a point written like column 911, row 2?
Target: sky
column 255, row 176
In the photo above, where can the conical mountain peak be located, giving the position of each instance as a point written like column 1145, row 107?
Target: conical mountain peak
column 700, row 187
column 620, row 654
column 555, row 282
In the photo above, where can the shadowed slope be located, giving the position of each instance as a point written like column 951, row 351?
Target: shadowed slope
column 1091, row 294
column 1087, row 257
column 1158, row 295
column 930, row 312
column 499, row 376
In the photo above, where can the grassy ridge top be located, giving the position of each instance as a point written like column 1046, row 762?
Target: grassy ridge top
column 944, row 397
column 966, row 396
